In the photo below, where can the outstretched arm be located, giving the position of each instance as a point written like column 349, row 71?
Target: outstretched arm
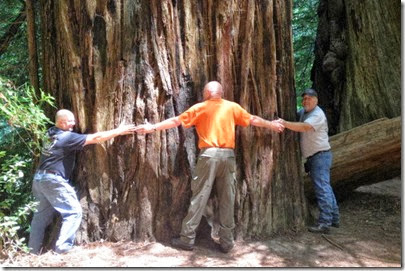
column 272, row 125
column 163, row 125
column 106, row 135
column 296, row 126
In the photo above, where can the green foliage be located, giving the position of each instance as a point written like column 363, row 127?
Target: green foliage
column 305, row 23
column 22, row 109
column 10, row 241
column 14, row 61
column 23, row 125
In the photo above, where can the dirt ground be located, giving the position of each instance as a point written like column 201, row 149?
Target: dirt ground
column 369, row 236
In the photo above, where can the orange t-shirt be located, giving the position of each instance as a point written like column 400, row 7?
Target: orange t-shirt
column 215, row 122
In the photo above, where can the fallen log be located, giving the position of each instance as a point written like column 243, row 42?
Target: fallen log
column 364, row 155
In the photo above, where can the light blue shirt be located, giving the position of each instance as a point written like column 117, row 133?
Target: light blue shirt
column 317, row 139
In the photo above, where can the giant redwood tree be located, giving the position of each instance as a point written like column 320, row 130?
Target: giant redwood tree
column 129, row 60
column 357, row 68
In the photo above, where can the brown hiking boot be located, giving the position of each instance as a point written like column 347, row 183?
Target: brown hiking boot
column 225, row 248
column 176, row 242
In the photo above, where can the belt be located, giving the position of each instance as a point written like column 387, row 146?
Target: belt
column 47, row 171
column 216, row 148
column 217, row 152
column 309, row 157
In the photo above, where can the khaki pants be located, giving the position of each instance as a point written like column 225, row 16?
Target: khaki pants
column 214, row 165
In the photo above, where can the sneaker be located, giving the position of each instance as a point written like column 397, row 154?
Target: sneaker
column 176, row 242
column 319, row 229
column 62, row 251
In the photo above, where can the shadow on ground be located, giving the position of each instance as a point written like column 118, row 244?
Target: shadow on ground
column 369, row 236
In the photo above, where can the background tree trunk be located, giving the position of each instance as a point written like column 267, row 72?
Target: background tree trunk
column 126, row 61
column 32, row 45
column 357, row 68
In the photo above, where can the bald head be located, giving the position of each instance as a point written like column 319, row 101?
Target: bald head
column 63, row 113
column 213, row 90
column 65, row 120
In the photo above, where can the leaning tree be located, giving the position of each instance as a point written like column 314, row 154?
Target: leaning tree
column 126, row 61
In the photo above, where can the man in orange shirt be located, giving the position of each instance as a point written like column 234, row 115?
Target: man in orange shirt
column 215, row 120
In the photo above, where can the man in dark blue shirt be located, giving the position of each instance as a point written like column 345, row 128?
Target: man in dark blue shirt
column 50, row 186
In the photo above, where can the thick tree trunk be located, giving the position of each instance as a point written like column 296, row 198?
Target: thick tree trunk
column 364, row 155
column 32, row 45
column 126, row 61
column 357, row 68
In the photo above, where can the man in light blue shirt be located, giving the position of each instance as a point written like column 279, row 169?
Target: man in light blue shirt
column 315, row 148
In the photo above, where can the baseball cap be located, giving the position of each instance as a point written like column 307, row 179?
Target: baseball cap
column 310, row 92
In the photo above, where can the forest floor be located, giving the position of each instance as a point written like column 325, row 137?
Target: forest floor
column 370, row 235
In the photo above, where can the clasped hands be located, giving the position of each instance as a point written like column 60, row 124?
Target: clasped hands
column 145, row 128
column 278, row 125
column 126, row 129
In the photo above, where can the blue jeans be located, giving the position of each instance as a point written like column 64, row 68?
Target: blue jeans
column 320, row 165
column 54, row 194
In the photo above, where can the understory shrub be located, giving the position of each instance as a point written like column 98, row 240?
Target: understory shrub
column 23, row 125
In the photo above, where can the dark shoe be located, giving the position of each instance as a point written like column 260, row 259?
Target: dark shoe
column 176, row 242
column 225, row 248
column 335, row 224
column 319, row 229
